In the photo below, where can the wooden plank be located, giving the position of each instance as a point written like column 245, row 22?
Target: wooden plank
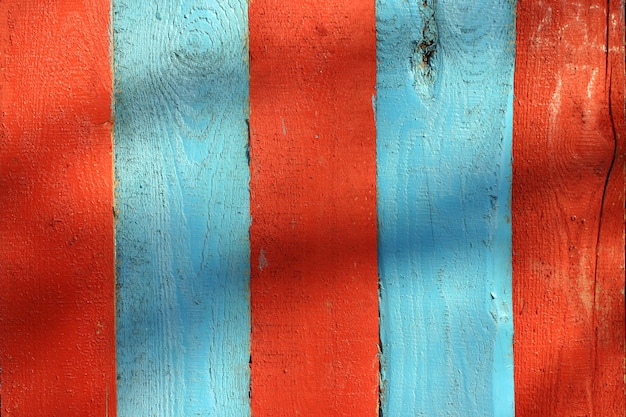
column 610, row 310
column 568, row 209
column 444, row 158
column 56, row 236
column 183, row 322
column 313, row 234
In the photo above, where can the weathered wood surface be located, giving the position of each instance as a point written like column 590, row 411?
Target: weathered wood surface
column 183, row 324
column 568, row 209
column 56, row 196
column 443, row 113
column 445, row 75
column 313, row 233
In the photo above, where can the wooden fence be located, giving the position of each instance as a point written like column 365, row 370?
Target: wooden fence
column 294, row 208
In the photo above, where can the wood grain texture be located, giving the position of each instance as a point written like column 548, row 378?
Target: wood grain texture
column 444, row 103
column 568, row 209
column 56, row 195
column 313, row 233
column 183, row 321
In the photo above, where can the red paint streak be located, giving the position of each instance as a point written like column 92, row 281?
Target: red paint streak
column 610, row 388
column 56, row 235
column 313, row 235
column 568, row 209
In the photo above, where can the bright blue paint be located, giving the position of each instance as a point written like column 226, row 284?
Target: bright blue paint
column 183, row 323
column 503, row 389
column 444, row 117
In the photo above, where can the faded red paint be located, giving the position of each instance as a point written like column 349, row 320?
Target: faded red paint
column 56, row 235
column 313, row 235
column 568, row 209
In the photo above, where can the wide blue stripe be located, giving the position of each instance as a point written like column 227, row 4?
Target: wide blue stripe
column 444, row 99
column 181, row 104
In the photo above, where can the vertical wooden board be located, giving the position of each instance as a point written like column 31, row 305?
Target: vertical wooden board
column 444, row 117
column 183, row 321
column 568, row 209
column 610, row 310
column 56, row 235
column 313, row 232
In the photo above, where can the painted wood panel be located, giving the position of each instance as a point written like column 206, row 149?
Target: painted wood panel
column 56, row 195
column 313, row 233
column 181, row 105
column 443, row 115
column 568, row 209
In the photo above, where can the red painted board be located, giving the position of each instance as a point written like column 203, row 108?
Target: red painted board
column 56, row 235
column 568, row 209
column 610, row 388
column 313, row 233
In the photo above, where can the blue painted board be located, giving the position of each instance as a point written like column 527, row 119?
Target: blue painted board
column 444, row 117
column 182, row 205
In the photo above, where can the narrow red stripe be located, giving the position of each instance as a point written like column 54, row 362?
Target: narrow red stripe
column 313, row 234
column 610, row 309
column 56, row 236
column 568, row 208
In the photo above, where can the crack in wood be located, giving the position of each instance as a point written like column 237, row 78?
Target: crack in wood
column 608, row 76
column 609, row 175
column 423, row 60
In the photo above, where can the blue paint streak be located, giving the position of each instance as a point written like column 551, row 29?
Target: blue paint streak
column 181, row 104
column 444, row 117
